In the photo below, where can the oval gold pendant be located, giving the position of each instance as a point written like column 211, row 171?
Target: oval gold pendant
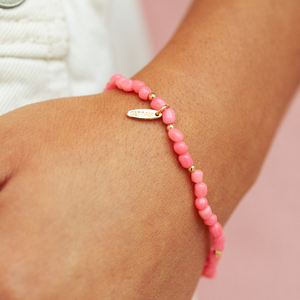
column 146, row 114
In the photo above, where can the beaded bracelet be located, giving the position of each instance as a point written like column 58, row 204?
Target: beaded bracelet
column 161, row 109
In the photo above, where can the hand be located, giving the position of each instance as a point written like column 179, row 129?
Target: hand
column 93, row 204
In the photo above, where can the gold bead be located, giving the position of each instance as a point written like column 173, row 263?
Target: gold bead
column 218, row 253
column 151, row 96
column 170, row 126
column 192, row 169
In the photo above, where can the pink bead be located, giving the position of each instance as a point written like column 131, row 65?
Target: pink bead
column 127, row 85
column 109, row 86
column 119, row 82
column 185, row 160
column 200, row 189
column 114, row 78
column 216, row 230
column 211, row 264
column 218, row 244
column 211, row 221
column 180, row 148
column 175, row 135
column 168, row 116
column 209, row 272
column 212, row 259
column 157, row 103
column 200, row 203
column 197, row 176
column 206, row 213
column 136, row 85
column 144, row 93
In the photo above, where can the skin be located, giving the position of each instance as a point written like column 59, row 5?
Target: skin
column 94, row 205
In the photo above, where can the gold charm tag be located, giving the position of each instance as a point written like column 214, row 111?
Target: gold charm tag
column 146, row 114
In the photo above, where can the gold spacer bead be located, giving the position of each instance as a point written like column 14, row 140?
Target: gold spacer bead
column 192, row 169
column 151, row 96
column 218, row 253
column 170, row 126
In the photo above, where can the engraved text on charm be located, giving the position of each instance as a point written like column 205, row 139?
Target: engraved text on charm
column 147, row 114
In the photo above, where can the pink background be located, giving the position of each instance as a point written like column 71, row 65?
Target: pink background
column 262, row 258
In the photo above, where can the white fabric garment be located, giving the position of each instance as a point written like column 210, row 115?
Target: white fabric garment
column 59, row 48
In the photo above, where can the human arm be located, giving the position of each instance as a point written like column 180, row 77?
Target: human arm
column 96, row 206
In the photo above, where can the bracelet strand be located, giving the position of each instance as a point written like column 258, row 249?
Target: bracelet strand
column 161, row 109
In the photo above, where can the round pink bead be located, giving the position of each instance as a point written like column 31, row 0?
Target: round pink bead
column 209, row 271
column 157, row 103
column 175, row 135
column 136, row 85
column 119, row 82
column 206, row 213
column 218, row 244
column 201, row 203
column 144, row 93
column 180, row 148
column 200, row 189
column 114, row 78
column 127, row 85
column 109, row 86
column 168, row 116
column 197, row 176
column 211, row 221
column 185, row 160
column 216, row 230
column 211, row 264
column 212, row 259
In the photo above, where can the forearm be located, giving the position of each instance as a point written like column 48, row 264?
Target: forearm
column 229, row 74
